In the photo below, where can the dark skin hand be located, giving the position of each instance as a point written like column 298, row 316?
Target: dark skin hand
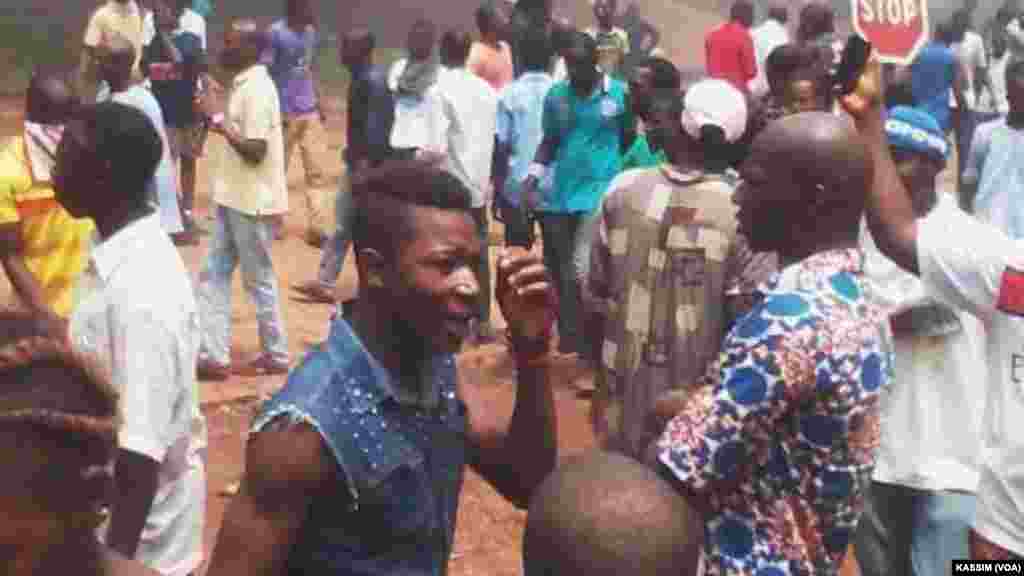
column 137, row 478
column 890, row 212
column 24, row 283
column 289, row 468
column 251, row 150
column 518, row 458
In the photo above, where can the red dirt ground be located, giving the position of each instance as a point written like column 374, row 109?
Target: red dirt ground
column 489, row 529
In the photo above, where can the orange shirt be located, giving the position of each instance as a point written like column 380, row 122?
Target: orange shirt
column 494, row 65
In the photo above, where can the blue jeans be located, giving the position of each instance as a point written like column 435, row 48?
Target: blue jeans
column 332, row 261
column 905, row 531
column 240, row 239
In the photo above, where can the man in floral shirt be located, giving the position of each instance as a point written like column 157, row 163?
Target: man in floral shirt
column 778, row 446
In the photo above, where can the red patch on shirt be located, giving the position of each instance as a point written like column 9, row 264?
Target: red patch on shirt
column 1011, row 292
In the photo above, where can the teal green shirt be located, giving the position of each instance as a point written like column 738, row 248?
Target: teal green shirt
column 589, row 136
column 640, row 155
column 203, row 7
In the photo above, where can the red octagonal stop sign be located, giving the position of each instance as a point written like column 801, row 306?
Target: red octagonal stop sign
column 896, row 28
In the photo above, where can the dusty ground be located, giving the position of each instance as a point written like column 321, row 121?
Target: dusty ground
column 489, row 529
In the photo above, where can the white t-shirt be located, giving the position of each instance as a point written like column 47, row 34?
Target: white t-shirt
column 419, row 120
column 471, row 124
column 767, row 37
column 139, row 316
column 932, row 413
column 971, row 55
column 975, row 267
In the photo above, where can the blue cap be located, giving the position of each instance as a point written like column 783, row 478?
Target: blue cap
column 915, row 130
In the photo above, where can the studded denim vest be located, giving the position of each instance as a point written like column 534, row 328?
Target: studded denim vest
column 402, row 465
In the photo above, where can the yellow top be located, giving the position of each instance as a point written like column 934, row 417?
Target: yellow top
column 55, row 244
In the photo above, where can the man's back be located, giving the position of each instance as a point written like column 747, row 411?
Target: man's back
column 54, row 245
column 666, row 254
column 289, row 57
column 471, row 115
column 520, row 115
column 932, row 75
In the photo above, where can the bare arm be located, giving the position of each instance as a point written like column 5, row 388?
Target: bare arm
column 251, row 150
column 24, row 283
column 286, row 468
column 890, row 215
column 137, row 479
column 517, row 457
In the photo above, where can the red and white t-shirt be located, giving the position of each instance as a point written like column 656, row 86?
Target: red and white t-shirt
column 975, row 266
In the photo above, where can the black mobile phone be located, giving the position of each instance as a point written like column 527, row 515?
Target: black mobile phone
column 851, row 66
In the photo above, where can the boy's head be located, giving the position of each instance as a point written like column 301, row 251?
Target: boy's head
column 603, row 514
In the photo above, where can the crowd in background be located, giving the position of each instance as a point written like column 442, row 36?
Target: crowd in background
column 805, row 338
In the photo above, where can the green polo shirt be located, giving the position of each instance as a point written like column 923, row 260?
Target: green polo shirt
column 640, row 155
column 589, row 136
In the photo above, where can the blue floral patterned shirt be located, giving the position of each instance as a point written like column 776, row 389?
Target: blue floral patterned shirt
column 781, row 438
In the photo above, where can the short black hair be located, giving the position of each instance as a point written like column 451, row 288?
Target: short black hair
column 780, row 63
column 742, row 10
column 561, row 38
column 384, row 194
column 667, row 98
column 603, row 513
column 455, row 47
column 583, row 42
column 128, row 140
column 487, row 16
column 664, row 74
column 50, row 98
column 535, row 50
column 816, row 19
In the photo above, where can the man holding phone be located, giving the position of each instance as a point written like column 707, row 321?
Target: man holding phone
column 249, row 190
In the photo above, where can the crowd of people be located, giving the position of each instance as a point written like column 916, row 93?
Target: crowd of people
column 804, row 343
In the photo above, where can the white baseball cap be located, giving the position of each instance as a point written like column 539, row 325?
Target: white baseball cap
column 718, row 103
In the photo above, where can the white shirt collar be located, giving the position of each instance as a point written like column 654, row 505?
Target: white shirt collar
column 110, row 253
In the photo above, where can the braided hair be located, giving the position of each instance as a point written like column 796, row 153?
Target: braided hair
column 44, row 382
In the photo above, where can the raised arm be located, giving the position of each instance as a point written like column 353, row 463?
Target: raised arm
column 515, row 457
column 889, row 212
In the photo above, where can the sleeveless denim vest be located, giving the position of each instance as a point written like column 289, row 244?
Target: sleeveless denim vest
column 402, row 465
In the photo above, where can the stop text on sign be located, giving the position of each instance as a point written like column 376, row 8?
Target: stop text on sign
column 889, row 12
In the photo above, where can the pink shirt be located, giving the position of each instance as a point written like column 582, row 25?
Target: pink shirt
column 494, row 65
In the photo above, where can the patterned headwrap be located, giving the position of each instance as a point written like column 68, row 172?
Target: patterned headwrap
column 914, row 130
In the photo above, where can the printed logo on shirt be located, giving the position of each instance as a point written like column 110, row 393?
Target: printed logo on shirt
column 609, row 107
column 1011, row 292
